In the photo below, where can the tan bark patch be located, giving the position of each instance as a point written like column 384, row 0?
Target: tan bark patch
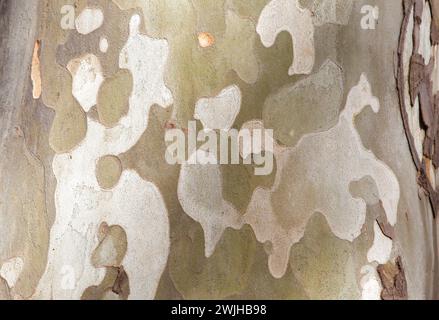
column 111, row 106
column 112, row 248
column 108, row 171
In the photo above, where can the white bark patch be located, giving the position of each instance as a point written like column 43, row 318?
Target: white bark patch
column 287, row 15
column 381, row 248
column 331, row 11
column 134, row 204
column 89, row 20
column 201, row 197
column 370, row 284
column 87, row 79
column 324, row 162
column 11, row 270
column 221, row 111
column 103, row 45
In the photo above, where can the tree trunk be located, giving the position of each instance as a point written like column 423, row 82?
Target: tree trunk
column 221, row 149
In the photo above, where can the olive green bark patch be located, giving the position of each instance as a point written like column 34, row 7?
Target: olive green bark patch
column 147, row 157
column 4, row 290
column 108, row 171
column 245, row 8
column 69, row 126
column 109, row 254
column 234, row 271
column 312, row 105
column 25, row 206
column 262, row 285
column 225, row 273
column 239, row 183
column 58, row 48
column 111, row 107
column 114, row 29
column 325, row 265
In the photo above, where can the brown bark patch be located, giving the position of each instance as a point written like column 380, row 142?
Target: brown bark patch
column 393, row 280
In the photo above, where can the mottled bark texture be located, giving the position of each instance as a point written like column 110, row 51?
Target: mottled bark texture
column 92, row 208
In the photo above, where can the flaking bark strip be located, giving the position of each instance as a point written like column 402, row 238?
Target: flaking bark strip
column 393, row 279
column 408, row 4
column 386, row 228
column 434, row 4
column 420, row 86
